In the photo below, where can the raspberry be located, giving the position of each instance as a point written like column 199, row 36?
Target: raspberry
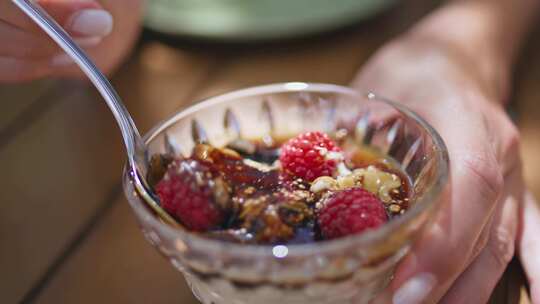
column 306, row 156
column 349, row 212
column 187, row 193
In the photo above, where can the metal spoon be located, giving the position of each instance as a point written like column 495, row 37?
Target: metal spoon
column 135, row 146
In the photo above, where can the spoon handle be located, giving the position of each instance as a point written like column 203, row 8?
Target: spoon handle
column 130, row 134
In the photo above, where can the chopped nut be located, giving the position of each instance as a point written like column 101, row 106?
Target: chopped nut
column 378, row 182
column 253, row 207
column 221, row 193
column 268, row 226
column 257, row 165
column 294, row 212
column 301, row 194
column 345, row 182
column 384, row 194
column 394, row 208
column 202, row 152
column 323, row 183
column 249, row 190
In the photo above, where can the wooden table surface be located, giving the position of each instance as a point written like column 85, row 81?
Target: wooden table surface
column 67, row 233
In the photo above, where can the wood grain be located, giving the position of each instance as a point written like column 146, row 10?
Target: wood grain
column 161, row 79
column 61, row 168
column 117, row 265
column 43, row 203
column 332, row 58
column 16, row 98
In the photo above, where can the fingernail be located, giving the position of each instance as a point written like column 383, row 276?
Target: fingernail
column 415, row 290
column 91, row 22
column 62, row 60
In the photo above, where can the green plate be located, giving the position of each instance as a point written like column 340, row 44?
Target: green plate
column 256, row 19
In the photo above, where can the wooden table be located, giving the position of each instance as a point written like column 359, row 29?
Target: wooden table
column 67, row 233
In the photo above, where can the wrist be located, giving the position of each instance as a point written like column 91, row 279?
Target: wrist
column 483, row 27
column 483, row 35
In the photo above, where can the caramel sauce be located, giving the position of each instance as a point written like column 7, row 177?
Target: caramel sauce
column 265, row 208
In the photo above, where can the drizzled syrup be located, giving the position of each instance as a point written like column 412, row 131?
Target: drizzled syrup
column 262, row 206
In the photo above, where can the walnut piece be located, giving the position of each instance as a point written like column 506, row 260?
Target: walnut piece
column 378, row 182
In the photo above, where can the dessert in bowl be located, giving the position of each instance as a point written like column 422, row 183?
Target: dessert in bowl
column 293, row 192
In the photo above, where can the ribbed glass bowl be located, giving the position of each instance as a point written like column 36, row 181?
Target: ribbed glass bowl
column 347, row 270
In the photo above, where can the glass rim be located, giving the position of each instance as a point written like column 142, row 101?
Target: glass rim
column 429, row 199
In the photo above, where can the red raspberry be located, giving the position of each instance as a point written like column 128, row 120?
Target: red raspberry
column 185, row 193
column 305, row 156
column 350, row 211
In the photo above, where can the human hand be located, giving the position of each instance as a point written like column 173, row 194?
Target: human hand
column 463, row 255
column 102, row 28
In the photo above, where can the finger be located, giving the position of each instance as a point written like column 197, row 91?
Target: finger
column 529, row 244
column 508, row 151
column 508, row 154
column 477, row 282
column 16, row 70
column 477, row 161
column 26, row 45
column 445, row 249
column 23, row 44
column 63, row 11
column 481, row 242
column 115, row 47
column 79, row 17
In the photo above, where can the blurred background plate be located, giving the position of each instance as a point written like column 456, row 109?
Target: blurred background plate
column 248, row 20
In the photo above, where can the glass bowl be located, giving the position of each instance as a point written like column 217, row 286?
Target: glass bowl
column 352, row 269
